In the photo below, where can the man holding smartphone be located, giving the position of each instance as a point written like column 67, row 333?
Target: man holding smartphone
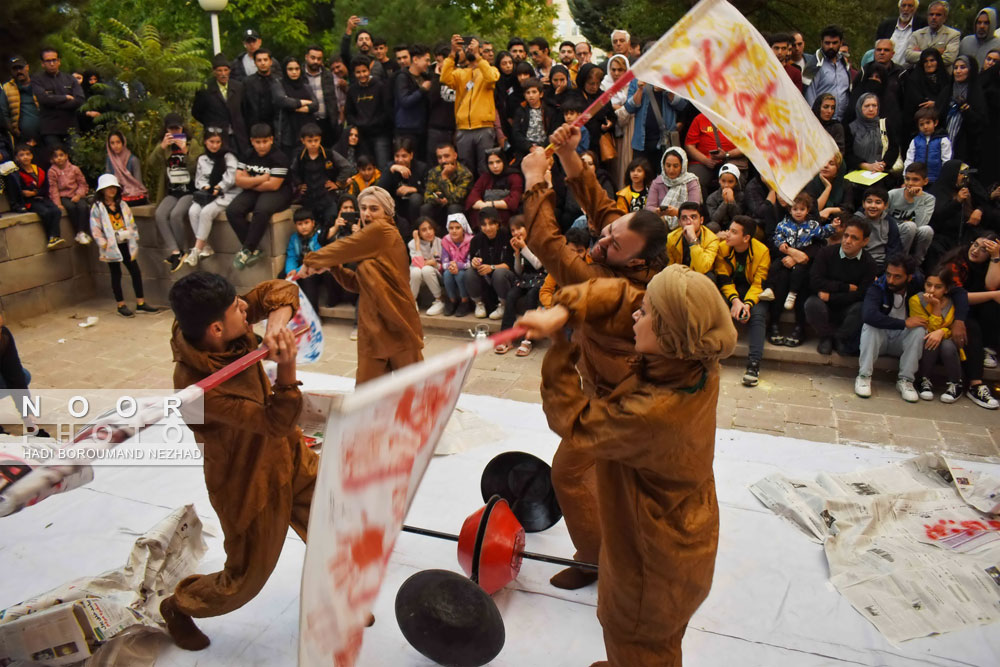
column 708, row 149
column 473, row 80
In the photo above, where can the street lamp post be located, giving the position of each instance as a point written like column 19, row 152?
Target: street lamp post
column 213, row 7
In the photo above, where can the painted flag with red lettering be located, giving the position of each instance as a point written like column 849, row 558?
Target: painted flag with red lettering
column 377, row 445
column 716, row 59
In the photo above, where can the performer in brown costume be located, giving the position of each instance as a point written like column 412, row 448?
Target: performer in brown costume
column 389, row 332
column 654, row 440
column 258, row 470
column 630, row 246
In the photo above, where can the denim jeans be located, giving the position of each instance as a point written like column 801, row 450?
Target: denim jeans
column 454, row 284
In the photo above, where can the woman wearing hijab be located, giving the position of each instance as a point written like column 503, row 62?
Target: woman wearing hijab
column 959, row 202
column 214, row 188
column 989, row 169
column 292, row 113
column 653, row 438
column 588, row 80
column 871, row 142
column 624, row 121
column 961, row 110
column 922, row 85
column 674, row 186
column 560, row 85
column 825, row 107
column 126, row 169
column 504, row 91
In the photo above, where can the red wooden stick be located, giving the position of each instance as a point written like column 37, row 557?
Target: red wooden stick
column 596, row 105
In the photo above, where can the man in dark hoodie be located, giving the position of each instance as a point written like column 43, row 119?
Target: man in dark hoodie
column 367, row 108
column 259, row 472
column 412, row 87
column 318, row 175
column 260, row 92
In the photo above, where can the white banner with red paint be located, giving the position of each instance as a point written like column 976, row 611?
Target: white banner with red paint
column 714, row 57
column 377, row 446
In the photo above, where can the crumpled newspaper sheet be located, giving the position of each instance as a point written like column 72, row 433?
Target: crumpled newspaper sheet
column 106, row 619
column 914, row 546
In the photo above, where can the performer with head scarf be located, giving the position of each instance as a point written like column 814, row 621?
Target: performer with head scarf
column 389, row 332
column 654, row 440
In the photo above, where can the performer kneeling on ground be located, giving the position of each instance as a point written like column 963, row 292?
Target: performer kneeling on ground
column 389, row 332
column 654, row 441
column 259, row 472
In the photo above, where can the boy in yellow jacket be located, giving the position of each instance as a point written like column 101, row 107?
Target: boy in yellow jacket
column 693, row 244
column 473, row 80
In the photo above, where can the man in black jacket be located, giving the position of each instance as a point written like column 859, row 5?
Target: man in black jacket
column 245, row 64
column 900, row 28
column 262, row 92
column 220, row 104
column 319, row 176
column 412, row 86
column 839, row 277
column 59, row 95
column 367, row 107
column 324, row 89
column 366, row 47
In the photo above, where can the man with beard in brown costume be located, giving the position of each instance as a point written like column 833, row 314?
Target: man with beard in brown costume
column 630, row 246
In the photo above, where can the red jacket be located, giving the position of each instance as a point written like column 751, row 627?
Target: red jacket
column 34, row 180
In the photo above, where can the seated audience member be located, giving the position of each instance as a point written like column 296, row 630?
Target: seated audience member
column 491, row 259
column 709, row 149
column 674, row 186
column 214, row 188
column 834, row 194
column 523, row 294
column 533, row 120
column 692, row 243
column 219, row 104
column 127, row 170
column 871, row 143
column 934, row 306
column 571, row 108
column 405, row 180
column 886, row 237
column 425, row 263
column 318, row 176
column 727, row 202
column 839, row 278
column 349, row 146
column 307, row 237
column 797, row 239
column 454, row 261
column 263, row 176
column 34, row 184
column 633, row 197
column 572, row 214
column 912, row 208
column 930, row 146
column 976, row 274
column 447, row 185
column 498, row 187
column 577, row 240
column 741, row 267
column 960, row 206
column 368, row 175
column 177, row 154
column 14, row 380
column 889, row 329
column 68, row 188
column 825, row 108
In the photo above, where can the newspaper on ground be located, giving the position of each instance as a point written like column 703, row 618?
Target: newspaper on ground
column 914, row 546
column 99, row 619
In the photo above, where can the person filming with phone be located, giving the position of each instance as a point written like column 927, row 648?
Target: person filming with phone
column 708, row 148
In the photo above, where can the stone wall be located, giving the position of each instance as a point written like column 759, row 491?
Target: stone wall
column 34, row 280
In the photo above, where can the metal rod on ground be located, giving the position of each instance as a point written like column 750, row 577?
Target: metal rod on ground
column 556, row 560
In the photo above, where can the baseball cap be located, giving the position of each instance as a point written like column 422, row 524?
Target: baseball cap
column 249, row 34
column 17, row 61
column 730, row 168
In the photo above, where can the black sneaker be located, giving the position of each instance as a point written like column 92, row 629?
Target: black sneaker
column 774, row 337
column 926, row 389
column 952, row 392
column 751, row 375
column 146, row 308
column 795, row 339
column 825, row 345
column 175, row 261
column 124, row 311
column 464, row 308
column 449, row 307
column 981, row 396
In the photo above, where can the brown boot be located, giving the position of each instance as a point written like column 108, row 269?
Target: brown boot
column 181, row 628
column 573, row 578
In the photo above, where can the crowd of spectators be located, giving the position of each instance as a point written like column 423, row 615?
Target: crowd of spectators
column 891, row 249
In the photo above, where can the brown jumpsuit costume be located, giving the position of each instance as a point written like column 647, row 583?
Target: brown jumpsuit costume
column 654, row 440
column 258, row 471
column 389, row 332
column 603, row 361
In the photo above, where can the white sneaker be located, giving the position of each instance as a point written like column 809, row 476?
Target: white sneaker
column 480, row 310
column 766, row 295
column 989, row 357
column 498, row 313
column 354, row 333
column 790, row 301
column 192, row 258
column 82, row 238
column 863, row 386
column 436, row 308
column 907, row 391
column 206, row 252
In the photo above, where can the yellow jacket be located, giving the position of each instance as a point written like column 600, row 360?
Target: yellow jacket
column 702, row 254
column 934, row 322
column 474, row 105
column 758, row 263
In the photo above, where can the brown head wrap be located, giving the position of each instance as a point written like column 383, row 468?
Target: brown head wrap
column 690, row 317
column 383, row 198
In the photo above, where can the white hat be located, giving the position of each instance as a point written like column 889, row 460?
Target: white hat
column 460, row 219
column 730, row 168
column 106, row 181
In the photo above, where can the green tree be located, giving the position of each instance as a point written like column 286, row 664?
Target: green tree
column 25, row 25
